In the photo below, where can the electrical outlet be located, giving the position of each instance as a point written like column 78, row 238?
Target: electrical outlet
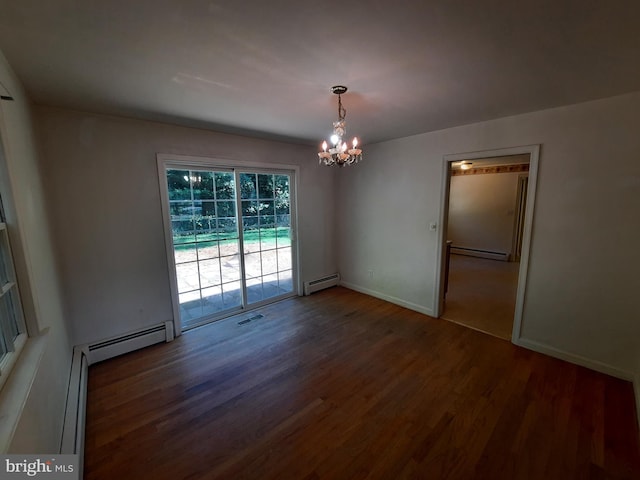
column 370, row 273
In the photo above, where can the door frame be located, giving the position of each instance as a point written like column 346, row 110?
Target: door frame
column 518, row 221
column 164, row 160
column 534, row 156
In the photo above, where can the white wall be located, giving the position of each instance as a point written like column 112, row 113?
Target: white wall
column 582, row 293
column 40, row 426
column 482, row 210
column 102, row 186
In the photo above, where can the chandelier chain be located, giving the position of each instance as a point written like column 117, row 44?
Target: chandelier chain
column 342, row 112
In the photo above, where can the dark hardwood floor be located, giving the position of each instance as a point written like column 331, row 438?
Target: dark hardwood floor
column 340, row 385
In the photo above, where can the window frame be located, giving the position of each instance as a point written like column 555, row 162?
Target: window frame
column 16, row 345
column 10, row 290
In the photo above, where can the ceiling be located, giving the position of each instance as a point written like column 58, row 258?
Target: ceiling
column 266, row 68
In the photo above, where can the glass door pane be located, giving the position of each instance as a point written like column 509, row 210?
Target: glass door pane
column 206, row 243
column 266, row 230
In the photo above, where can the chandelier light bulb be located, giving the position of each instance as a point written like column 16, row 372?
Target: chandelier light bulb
column 355, row 142
column 324, row 146
column 335, row 139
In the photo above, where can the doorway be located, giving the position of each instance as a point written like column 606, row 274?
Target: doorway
column 486, row 215
column 229, row 234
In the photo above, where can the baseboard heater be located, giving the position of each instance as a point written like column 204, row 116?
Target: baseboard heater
column 75, row 412
column 474, row 252
column 97, row 352
column 321, row 283
column 85, row 355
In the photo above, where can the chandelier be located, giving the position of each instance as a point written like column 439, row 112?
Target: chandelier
column 339, row 154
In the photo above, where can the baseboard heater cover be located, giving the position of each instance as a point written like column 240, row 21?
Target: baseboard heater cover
column 99, row 351
column 321, row 283
column 475, row 252
column 73, row 429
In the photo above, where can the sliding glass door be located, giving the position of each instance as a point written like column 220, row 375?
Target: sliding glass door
column 206, row 244
column 214, row 214
column 266, row 234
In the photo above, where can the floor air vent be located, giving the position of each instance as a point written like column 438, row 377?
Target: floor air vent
column 250, row 319
column 321, row 283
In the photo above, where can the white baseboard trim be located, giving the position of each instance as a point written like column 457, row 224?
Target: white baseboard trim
column 382, row 296
column 576, row 359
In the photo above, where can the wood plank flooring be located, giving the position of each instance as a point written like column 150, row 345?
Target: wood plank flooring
column 482, row 294
column 340, row 385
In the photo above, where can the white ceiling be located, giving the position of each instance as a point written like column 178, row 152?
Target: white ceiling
column 265, row 67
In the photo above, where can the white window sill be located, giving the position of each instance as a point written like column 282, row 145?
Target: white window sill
column 15, row 390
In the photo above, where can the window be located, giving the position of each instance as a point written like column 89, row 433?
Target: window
column 12, row 327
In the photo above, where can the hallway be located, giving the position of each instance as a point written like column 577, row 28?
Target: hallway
column 482, row 294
